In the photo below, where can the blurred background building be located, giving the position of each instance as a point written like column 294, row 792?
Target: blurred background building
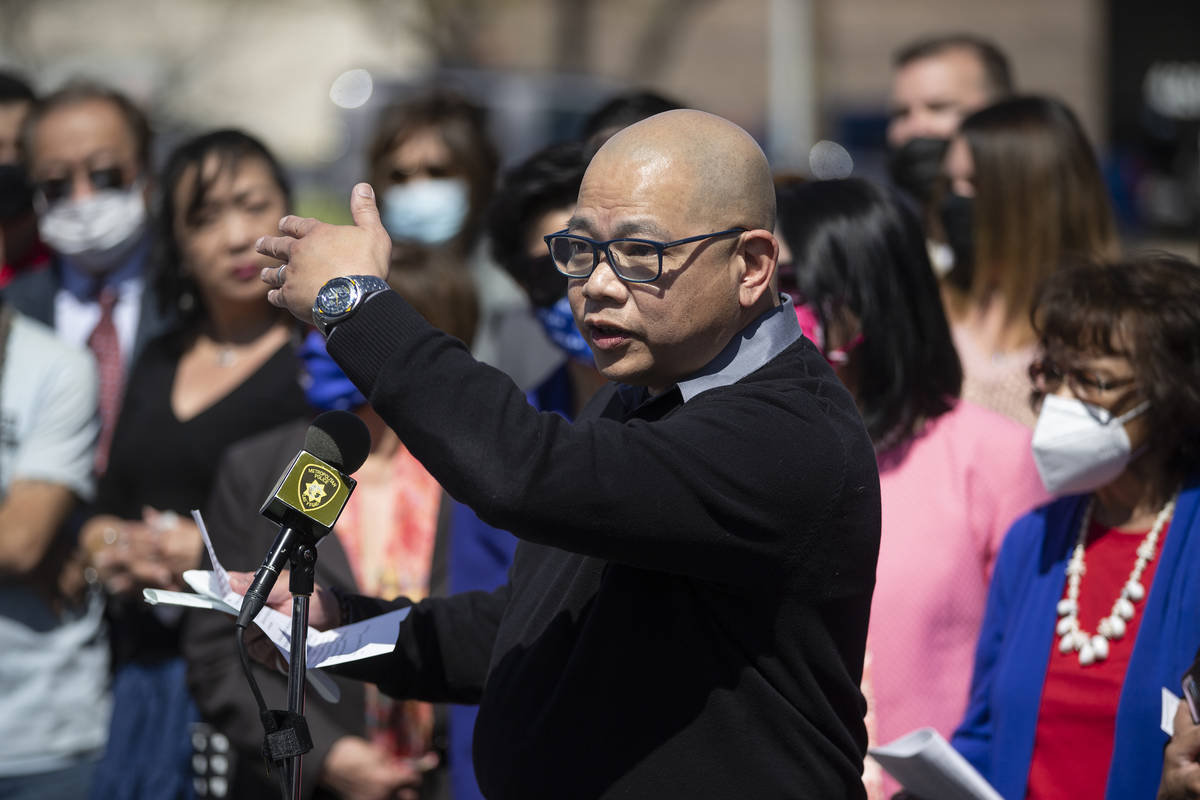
column 808, row 77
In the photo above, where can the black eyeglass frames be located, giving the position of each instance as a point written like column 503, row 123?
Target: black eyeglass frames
column 633, row 260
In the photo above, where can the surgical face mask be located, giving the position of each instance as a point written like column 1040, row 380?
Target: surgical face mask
column 559, row 324
column 98, row 232
column 16, row 195
column 915, row 166
column 958, row 213
column 426, row 211
column 1079, row 447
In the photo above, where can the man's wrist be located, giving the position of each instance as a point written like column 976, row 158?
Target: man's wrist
column 340, row 297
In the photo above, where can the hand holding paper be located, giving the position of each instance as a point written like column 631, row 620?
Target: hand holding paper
column 365, row 639
column 322, row 610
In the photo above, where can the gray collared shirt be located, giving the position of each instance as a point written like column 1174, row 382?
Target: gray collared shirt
column 756, row 344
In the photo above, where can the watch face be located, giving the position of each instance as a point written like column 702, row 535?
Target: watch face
column 335, row 298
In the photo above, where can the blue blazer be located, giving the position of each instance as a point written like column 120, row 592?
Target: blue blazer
column 1015, row 641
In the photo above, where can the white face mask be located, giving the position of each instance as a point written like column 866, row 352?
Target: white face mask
column 428, row 211
column 98, row 232
column 1079, row 447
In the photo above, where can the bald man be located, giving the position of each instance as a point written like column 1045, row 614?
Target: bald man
column 687, row 609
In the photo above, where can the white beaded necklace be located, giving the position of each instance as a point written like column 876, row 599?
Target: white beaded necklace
column 1095, row 648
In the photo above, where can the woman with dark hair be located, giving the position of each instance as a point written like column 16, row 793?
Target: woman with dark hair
column 1023, row 196
column 434, row 166
column 227, row 371
column 1092, row 608
column 953, row 476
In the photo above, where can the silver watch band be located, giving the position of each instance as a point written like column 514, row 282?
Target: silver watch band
column 363, row 288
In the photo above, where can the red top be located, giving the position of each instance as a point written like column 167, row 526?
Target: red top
column 1078, row 715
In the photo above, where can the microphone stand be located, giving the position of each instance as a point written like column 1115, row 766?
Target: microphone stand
column 300, row 584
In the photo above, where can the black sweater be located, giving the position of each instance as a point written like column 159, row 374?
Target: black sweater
column 160, row 461
column 687, row 611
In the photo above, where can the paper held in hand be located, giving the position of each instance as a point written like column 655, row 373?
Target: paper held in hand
column 365, row 639
column 928, row 767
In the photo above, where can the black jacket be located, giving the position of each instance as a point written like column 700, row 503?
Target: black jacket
column 687, row 611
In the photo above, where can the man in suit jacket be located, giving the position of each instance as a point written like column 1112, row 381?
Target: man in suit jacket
column 88, row 155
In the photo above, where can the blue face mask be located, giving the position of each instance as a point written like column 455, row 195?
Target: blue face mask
column 559, row 325
column 426, row 211
column 325, row 385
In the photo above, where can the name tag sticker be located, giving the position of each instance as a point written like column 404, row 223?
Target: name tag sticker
column 1170, row 704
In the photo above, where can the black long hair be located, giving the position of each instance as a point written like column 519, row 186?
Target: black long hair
column 858, row 249
column 176, row 291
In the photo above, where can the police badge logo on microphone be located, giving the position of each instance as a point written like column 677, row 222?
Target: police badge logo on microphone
column 311, row 488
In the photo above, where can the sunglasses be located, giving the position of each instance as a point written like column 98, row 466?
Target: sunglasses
column 53, row 190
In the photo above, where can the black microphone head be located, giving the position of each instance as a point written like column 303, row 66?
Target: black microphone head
column 340, row 439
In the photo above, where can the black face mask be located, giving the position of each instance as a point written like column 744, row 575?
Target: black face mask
column 957, row 213
column 915, row 166
column 16, row 194
column 539, row 278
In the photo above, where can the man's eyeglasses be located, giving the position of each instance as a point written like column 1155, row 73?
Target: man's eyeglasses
column 54, row 189
column 1048, row 376
column 633, row 260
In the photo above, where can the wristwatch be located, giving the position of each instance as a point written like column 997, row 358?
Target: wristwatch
column 340, row 297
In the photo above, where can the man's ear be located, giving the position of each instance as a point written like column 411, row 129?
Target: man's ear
column 758, row 252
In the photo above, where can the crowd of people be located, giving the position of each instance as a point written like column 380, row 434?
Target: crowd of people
column 761, row 471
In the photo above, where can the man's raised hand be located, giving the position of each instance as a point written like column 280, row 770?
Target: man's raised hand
column 313, row 252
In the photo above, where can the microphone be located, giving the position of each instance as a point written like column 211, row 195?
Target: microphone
column 309, row 497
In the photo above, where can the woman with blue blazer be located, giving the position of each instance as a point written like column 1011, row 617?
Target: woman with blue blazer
column 1094, row 605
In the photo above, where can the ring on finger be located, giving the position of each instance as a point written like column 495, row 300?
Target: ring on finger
column 280, row 276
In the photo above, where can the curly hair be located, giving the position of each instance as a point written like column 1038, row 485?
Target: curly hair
column 1145, row 307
